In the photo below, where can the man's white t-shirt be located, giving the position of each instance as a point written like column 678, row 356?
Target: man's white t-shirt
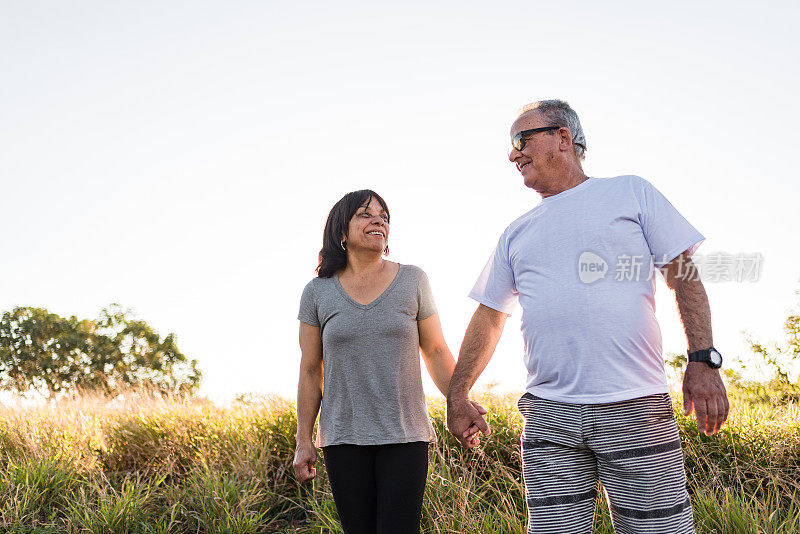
column 581, row 266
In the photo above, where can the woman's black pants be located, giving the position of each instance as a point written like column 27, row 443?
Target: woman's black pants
column 378, row 489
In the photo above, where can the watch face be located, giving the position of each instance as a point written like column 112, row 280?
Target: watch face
column 715, row 357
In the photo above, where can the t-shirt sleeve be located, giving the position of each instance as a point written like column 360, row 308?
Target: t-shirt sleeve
column 666, row 231
column 495, row 287
column 308, row 306
column 427, row 306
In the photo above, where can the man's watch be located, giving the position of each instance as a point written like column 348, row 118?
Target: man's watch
column 711, row 357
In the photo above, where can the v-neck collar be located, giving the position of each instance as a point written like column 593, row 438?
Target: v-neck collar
column 377, row 299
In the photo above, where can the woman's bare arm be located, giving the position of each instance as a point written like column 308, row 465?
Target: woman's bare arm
column 437, row 356
column 309, row 397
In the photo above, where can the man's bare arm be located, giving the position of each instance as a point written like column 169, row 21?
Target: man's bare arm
column 682, row 277
column 703, row 389
column 480, row 340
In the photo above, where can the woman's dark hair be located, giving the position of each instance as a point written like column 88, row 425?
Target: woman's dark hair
column 332, row 258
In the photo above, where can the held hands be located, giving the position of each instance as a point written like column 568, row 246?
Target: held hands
column 704, row 392
column 305, row 456
column 465, row 421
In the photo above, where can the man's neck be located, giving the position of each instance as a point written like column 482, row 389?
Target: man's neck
column 574, row 178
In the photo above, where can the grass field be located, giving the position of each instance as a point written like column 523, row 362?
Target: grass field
column 147, row 465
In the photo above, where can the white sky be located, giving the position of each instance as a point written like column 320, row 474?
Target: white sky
column 180, row 158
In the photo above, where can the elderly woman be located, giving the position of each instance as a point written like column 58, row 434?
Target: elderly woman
column 363, row 322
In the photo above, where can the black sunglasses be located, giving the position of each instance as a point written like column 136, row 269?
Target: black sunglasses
column 518, row 141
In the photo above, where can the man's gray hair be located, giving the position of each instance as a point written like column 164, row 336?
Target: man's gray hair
column 558, row 113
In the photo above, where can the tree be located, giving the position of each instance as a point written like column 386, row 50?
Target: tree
column 782, row 361
column 779, row 366
column 52, row 355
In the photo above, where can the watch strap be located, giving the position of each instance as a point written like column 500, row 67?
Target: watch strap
column 704, row 355
column 700, row 355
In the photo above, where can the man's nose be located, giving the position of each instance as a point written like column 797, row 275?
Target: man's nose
column 513, row 155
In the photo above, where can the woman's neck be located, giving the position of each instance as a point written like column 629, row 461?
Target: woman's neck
column 363, row 263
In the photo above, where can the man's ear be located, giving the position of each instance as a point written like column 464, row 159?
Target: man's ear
column 565, row 139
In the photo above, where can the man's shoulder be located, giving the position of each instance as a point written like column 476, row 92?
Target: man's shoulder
column 613, row 186
column 523, row 220
column 622, row 180
column 625, row 186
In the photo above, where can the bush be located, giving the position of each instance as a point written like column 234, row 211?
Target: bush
column 144, row 464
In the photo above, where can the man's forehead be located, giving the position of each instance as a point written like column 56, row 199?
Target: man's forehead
column 526, row 121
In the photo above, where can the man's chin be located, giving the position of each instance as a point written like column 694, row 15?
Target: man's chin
column 531, row 183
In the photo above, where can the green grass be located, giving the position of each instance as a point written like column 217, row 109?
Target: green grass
column 149, row 465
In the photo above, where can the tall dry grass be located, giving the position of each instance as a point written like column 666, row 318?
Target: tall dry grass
column 146, row 464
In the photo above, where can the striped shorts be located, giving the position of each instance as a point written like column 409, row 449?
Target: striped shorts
column 632, row 447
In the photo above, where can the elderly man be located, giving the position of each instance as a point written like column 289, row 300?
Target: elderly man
column 597, row 405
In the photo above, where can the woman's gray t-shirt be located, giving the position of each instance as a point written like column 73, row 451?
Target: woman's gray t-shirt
column 372, row 383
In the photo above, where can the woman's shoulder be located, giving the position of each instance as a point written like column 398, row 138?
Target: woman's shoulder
column 318, row 284
column 413, row 271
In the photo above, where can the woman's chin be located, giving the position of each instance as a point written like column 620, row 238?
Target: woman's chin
column 372, row 249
